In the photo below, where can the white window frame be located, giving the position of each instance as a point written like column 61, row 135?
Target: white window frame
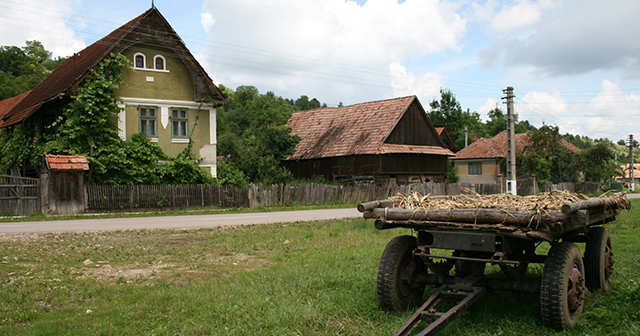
column 144, row 61
column 164, row 63
column 147, row 118
column 180, row 121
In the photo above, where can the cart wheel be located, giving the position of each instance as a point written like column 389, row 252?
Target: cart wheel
column 396, row 283
column 598, row 259
column 563, row 287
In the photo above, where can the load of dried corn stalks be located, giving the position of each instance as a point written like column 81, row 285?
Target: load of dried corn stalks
column 553, row 200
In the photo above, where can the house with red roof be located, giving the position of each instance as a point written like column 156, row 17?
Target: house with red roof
column 385, row 142
column 480, row 162
column 167, row 94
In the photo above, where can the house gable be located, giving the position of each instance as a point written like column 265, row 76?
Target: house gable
column 149, row 27
column 414, row 128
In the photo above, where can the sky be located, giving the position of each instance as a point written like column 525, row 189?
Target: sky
column 574, row 64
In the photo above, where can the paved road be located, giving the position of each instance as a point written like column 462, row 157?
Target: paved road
column 176, row 222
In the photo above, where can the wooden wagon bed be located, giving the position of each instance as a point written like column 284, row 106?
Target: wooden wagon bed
column 546, row 216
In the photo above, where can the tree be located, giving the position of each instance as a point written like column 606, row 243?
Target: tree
column 497, row 122
column 448, row 113
column 21, row 69
column 598, row 162
column 253, row 133
column 547, row 143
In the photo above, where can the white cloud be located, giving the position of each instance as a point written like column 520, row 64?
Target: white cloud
column 542, row 107
column 482, row 12
column 571, row 37
column 34, row 20
column 523, row 14
column 489, row 105
column 405, row 83
column 334, row 49
column 207, row 21
column 612, row 113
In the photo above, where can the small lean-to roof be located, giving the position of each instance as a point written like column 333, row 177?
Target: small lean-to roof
column 66, row 162
column 74, row 69
column 353, row 130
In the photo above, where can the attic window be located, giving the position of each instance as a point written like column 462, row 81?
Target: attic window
column 159, row 62
column 139, row 60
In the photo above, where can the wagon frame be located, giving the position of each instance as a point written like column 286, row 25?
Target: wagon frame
column 504, row 237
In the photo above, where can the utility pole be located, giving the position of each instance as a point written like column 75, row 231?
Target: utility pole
column 632, row 186
column 466, row 136
column 511, row 143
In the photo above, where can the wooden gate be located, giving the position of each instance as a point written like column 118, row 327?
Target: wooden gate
column 19, row 195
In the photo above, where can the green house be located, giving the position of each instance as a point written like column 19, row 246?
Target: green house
column 167, row 94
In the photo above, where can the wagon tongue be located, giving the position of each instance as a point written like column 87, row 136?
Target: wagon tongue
column 465, row 293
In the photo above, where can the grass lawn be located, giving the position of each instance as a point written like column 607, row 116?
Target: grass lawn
column 311, row 278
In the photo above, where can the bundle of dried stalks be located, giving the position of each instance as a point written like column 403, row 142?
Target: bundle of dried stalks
column 553, row 200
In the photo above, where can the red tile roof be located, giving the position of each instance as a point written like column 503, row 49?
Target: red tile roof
column 67, row 75
column 353, row 130
column 497, row 147
column 66, row 162
column 75, row 68
column 9, row 103
column 626, row 172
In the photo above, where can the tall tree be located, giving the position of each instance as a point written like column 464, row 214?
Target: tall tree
column 547, row 143
column 448, row 113
column 253, row 135
column 598, row 162
column 21, row 69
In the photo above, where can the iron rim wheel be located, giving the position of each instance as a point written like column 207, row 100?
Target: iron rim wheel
column 563, row 287
column 397, row 286
column 598, row 259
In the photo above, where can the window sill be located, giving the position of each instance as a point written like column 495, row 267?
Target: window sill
column 180, row 140
column 152, row 139
column 151, row 70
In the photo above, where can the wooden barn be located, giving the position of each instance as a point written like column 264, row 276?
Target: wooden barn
column 384, row 142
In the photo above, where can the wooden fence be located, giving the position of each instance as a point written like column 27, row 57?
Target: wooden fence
column 102, row 197
column 584, row 187
column 19, row 195
column 24, row 195
column 126, row 197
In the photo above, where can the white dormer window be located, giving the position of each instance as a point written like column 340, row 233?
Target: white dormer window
column 159, row 62
column 139, row 61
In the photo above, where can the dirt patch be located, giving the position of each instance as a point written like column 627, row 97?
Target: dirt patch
column 210, row 264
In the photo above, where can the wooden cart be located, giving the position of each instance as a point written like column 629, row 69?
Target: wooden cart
column 452, row 246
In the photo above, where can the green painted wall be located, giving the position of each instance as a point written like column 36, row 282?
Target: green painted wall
column 174, row 85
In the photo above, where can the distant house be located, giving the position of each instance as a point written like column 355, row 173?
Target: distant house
column 386, row 141
column 168, row 95
column 480, row 162
column 626, row 174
